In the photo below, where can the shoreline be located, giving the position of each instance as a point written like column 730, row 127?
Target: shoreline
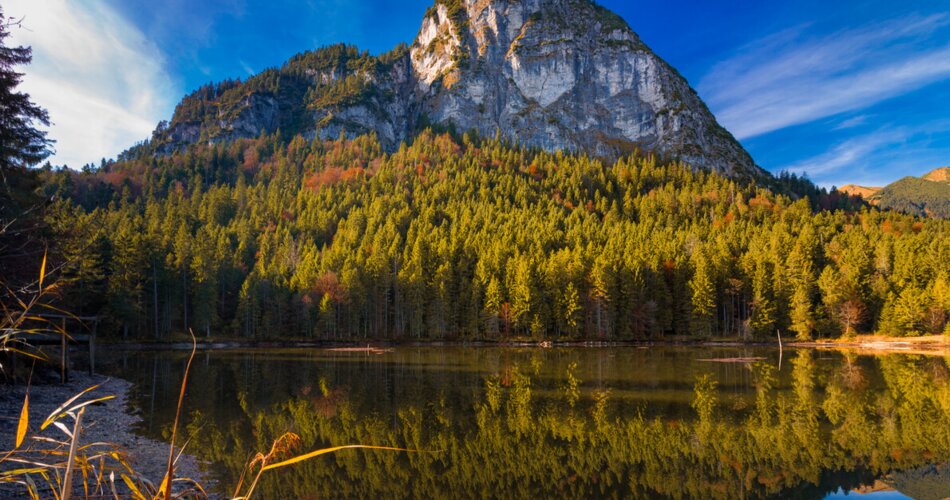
column 933, row 344
column 111, row 421
column 874, row 344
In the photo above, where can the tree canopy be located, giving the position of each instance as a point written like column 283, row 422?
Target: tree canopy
column 21, row 143
column 468, row 237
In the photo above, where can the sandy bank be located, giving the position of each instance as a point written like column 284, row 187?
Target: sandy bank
column 109, row 422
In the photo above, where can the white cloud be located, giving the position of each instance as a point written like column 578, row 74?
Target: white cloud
column 790, row 78
column 853, row 122
column 102, row 81
column 247, row 68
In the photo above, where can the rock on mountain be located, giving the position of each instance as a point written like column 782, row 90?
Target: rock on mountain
column 865, row 192
column 941, row 174
column 555, row 74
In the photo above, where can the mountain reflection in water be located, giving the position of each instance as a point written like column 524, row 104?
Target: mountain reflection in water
column 571, row 422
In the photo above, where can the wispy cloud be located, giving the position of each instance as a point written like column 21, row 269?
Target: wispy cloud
column 874, row 158
column 849, row 154
column 853, row 122
column 793, row 77
column 102, row 81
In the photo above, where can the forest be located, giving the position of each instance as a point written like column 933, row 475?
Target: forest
column 459, row 237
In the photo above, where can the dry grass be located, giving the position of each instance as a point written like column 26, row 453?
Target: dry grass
column 64, row 467
column 21, row 318
column 61, row 466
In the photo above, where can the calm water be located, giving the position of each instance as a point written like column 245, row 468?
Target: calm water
column 579, row 422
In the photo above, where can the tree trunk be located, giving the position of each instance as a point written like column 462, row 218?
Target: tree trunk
column 184, row 297
column 155, row 296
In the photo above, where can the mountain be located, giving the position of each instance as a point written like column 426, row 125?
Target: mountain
column 272, row 223
column 941, row 174
column 865, row 192
column 553, row 74
column 928, row 195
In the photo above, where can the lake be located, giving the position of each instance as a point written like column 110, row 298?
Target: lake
column 563, row 422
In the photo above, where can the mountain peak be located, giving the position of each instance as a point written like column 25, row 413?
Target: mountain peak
column 563, row 74
column 941, row 174
column 856, row 190
column 554, row 74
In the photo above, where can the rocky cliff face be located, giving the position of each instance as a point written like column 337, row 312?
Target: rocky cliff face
column 556, row 74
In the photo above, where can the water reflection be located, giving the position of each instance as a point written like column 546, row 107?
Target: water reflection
column 567, row 422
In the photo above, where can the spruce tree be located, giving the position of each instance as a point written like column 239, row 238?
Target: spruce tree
column 21, row 143
column 703, row 299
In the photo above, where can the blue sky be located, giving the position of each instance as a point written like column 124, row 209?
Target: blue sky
column 851, row 91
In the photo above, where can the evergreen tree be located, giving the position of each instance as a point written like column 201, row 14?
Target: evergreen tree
column 703, row 299
column 21, row 143
column 762, row 321
column 801, row 272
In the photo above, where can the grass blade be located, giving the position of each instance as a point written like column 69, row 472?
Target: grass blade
column 24, row 420
column 136, row 492
column 31, row 488
column 324, row 451
column 43, row 270
column 115, row 494
column 165, row 489
column 63, row 408
column 68, row 477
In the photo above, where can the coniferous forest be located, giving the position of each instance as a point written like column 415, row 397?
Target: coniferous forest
column 460, row 237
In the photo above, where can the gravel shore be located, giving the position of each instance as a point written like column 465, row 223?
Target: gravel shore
column 110, row 422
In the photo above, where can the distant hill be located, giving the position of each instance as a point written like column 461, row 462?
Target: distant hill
column 862, row 191
column 928, row 195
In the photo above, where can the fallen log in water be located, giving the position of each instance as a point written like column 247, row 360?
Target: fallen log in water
column 367, row 349
column 732, row 360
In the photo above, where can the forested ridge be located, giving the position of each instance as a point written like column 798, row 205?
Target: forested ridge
column 458, row 237
column 916, row 196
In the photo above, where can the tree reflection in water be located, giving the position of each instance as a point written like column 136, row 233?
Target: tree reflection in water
column 533, row 427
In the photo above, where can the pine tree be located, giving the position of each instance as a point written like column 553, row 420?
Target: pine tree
column 492, row 308
column 601, row 279
column 801, row 271
column 802, row 315
column 571, row 308
column 908, row 313
column 703, row 298
column 522, row 292
column 762, row 321
column 21, row 143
